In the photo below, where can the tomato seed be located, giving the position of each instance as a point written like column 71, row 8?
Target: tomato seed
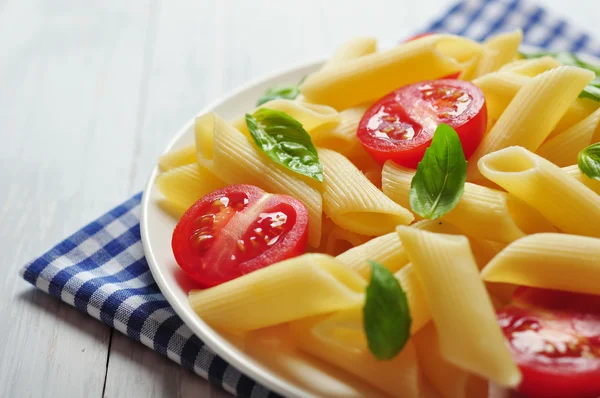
column 201, row 241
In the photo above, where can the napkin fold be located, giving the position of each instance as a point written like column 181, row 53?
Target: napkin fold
column 101, row 268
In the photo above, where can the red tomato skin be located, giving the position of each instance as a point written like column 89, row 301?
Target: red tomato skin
column 470, row 124
column 216, row 265
column 541, row 314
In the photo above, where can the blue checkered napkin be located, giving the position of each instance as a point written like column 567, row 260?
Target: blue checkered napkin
column 101, row 268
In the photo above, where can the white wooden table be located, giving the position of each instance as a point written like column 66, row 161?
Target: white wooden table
column 90, row 93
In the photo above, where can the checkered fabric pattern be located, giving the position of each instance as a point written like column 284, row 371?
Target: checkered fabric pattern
column 101, row 268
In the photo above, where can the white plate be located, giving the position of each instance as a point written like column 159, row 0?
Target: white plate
column 278, row 368
column 282, row 370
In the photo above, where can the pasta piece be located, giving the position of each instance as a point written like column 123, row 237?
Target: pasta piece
column 551, row 261
column 498, row 51
column 340, row 240
column 316, row 119
column 236, row 160
column 417, row 301
column 451, row 381
column 178, row 157
column 482, row 212
column 532, row 67
column 184, row 185
column 530, row 117
column 460, row 305
column 386, row 250
column 354, row 48
column 591, row 183
column 564, row 201
column 339, row 339
column 371, row 76
column 499, row 88
column 353, row 202
column 300, row 287
column 342, row 138
column 562, row 149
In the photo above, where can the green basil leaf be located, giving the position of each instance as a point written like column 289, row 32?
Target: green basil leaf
column 589, row 161
column 283, row 139
column 440, row 179
column 592, row 90
column 285, row 92
column 386, row 318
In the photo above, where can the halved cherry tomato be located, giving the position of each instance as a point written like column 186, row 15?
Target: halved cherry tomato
column 400, row 126
column 236, row 230
column 555, row 339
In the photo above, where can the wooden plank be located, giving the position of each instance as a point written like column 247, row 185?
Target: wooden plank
column 69, row 75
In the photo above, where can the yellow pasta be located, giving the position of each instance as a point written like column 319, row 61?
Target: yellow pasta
column 564, row 201
column 532, row 67
column 316, row 119
column 339, row 240
column 353, row 202
column 449, row 380
column 530, row 117
column 339, row 339
column 236, row 160
column 178, row 157
column 300, row 287
column 591, row 183
column 184, row 185
column 498, row 51
column 460, row 305
column 562, row 149
column 481, row 212
column 371, row 76
column 417, row 301
column 386, row 250
column 342, row 138
column 552, row 261
column 354, row 48
column 499, row 89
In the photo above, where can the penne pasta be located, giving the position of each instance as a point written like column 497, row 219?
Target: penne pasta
column 353, row 202
column 386, row 250
column 564, row 201
column 531, row 67
column 342, row 138
column 371, row 76
column 451, row 381
column 339, row 240
column 563, row 148
column 339, row 339
column 236, row 160
column 352, row 49
column 182, row 186
column 498, row 51
column 178, row 157
column 530, row 117
column 460, row 305
column 481, row 212
column 315, row 118
column 591, row 183
column 551, row 261
column 308, row 285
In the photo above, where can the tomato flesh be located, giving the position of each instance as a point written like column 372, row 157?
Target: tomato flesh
column 400, row 125
column 236, row 230
column 555, row 339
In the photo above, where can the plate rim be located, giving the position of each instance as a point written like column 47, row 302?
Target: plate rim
column 226, row 351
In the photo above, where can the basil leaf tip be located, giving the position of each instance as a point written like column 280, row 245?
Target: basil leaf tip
column 588, row 161
column 283, row 139
column 440, row 179
column 284, row 92
column 386, row 317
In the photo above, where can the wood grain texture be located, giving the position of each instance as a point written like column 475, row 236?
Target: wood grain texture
column 90, row 93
